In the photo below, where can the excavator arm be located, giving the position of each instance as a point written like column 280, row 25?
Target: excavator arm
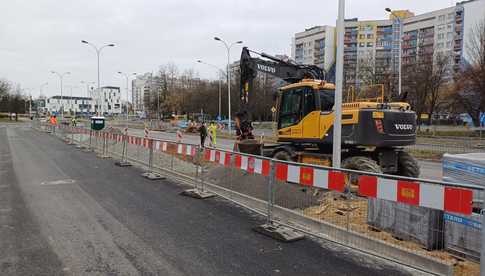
column 285, row 70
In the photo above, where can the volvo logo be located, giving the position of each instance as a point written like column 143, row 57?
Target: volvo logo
column 403, row 126
column 266, row 68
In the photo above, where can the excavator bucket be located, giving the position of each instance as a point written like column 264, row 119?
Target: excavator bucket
column 250, row 146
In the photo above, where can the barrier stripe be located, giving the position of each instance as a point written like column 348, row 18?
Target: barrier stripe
column 457, row 200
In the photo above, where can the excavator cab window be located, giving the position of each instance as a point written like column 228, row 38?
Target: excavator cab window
column 327, row 99
column 290, row 110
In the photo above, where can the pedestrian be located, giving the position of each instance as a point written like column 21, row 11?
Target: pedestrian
column 74, row 122
column 203, row 134
column 213, row 134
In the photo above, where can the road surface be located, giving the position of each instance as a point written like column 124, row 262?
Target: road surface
column 66, row 212
column 429, row 169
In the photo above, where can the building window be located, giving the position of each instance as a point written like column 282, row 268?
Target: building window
column 441, row 36
column 370, row 44
column 440, row 45
column 370, row 36
column 362, row 44
column 442, row 18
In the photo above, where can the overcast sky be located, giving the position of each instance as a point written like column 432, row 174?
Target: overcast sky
column 37, row 36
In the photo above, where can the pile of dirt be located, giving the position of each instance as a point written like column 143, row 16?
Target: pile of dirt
column 352, row 214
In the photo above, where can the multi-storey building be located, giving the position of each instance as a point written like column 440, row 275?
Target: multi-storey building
column 371, row 53
column 74, row 105
column 107, row 100
column 315, row 46
column 138, row 88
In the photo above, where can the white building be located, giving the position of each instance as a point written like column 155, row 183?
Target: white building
column 315, row 46
column 138, row 88
column 107, row 100
column 69, row 104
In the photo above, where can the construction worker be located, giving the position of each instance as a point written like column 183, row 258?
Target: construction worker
column 73, row 121
column 214, row 133
column 53, row 120
column 203, row 134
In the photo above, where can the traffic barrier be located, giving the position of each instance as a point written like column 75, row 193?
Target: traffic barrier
column 316, row 200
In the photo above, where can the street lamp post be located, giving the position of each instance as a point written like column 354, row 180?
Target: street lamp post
column 337, row 125
column 228, row 48
column 88, row 94
column 40, row 95
column 127, row 97
column 221, row 73
column 98, row 52
column 398, row 18
column 61, row 77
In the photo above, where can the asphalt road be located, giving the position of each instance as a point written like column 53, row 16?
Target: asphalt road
column 66, row 212
column 429, row 169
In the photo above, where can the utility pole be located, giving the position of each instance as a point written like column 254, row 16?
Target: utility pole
column 337, row 124
column 228, row 48
column 61, row 77
column 98, row 52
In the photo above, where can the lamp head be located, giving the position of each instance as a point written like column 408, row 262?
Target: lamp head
column 388, row 10
column 111, row 45
column 216, row 38
column 84, row 41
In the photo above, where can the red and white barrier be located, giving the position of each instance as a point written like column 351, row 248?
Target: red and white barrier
column 439, row 197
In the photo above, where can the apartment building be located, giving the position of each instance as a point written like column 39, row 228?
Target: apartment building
column 375, row 43
column 107, row 100
column 138, row 87
column 315, row 46
column 74, row 105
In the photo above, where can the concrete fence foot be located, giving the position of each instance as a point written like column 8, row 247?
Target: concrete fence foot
column 279, row 232
column 152, row 176
column 123, row 164
column 198, row 194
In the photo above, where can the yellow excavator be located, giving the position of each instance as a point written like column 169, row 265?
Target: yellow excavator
column 374, row 131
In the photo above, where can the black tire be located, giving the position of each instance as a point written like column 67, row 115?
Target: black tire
column 361, row 163
column 283, row 155
column 407, row 165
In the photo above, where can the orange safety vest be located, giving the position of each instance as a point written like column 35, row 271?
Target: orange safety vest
column 53, row 120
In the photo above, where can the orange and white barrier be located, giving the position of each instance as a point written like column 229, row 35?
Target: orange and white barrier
column 450, row 199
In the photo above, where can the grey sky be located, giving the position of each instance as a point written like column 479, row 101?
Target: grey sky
column 37, row 36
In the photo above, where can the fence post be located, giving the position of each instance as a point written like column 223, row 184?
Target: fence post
column 482, row 245
column 124, row 155
column 103, row 153
column 197, row 192
column 150, row 174
column 71, row 142
column 270, row 205
column 271, row 229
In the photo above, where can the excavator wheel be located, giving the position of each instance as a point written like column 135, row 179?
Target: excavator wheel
column 283, row 155
column 359, row 163
column 407, row 165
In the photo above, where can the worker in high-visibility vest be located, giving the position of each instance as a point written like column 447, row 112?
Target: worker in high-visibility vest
column 73, row 121
column 213, row 133
column 53, row 120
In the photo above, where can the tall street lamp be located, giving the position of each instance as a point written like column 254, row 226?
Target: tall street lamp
column 127, row 99
column 228, row 48
column 221, row 73
column 339, row 76
column 88, row 94
column 61, row 77
column 98, row 52
column 398, row 18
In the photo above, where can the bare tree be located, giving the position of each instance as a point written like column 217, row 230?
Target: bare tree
column 470, row 82
column 424, row 80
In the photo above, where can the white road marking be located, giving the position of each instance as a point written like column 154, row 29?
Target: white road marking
column 58, row 182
